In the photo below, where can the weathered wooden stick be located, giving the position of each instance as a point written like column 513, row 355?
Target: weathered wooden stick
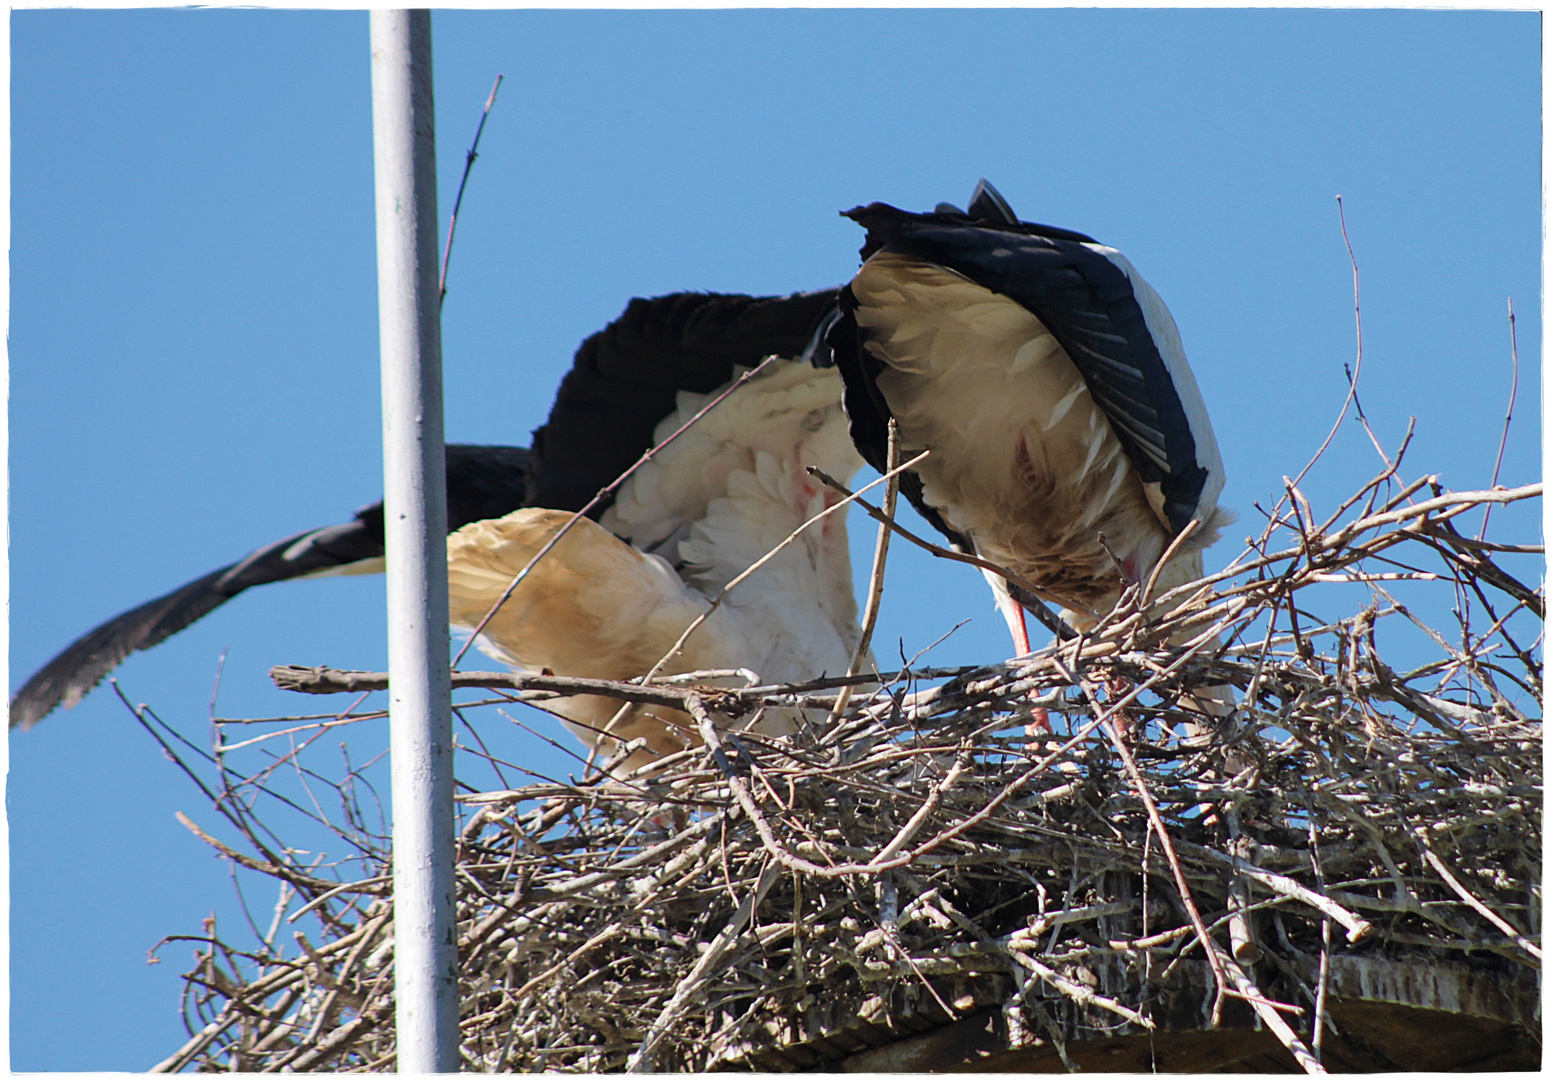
column 325, row 680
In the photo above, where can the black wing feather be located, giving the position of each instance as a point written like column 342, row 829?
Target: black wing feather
column 628, row 375
column 482, row 482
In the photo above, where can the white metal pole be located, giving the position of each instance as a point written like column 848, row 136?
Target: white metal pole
column 425, row 948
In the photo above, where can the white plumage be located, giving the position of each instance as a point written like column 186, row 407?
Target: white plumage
column 1023, row 461
column 612, row 598
column 1069, row 441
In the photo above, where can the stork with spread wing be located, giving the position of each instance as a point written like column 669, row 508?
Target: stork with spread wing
column 614, row 596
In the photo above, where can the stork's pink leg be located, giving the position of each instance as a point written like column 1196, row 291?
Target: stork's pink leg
column 1039, row 719
column 1020, row 631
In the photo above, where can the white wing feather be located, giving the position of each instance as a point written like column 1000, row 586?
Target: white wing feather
column 705, row 509
column 732, row 488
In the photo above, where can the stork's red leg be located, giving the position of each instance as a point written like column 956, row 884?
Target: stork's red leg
column 1020, row 631
column 1039, row 719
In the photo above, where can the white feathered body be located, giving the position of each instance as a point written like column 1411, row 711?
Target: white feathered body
column 1024, row 462
column 613, row 597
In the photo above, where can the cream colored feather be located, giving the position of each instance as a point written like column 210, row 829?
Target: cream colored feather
column 707, row 507
column 594, row 607
column 1025, row 462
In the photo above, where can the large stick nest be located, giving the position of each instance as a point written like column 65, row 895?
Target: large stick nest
column 923, row 855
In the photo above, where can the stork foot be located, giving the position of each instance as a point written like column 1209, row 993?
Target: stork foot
column 1039, row 723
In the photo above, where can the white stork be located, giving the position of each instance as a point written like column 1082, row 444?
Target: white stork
column 616, row 593
column 1048, row 381
column 613, row 597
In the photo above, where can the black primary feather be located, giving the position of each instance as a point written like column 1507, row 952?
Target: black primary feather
column 627, row 378
column 482, row 481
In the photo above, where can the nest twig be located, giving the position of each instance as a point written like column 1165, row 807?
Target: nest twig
column 922, row 854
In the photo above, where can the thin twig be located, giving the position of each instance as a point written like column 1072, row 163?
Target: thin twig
column 1513, row 393
column 468, row 165
column 1214, row 958
column 1351, row 388
column 1481, row 909
column 880, row 557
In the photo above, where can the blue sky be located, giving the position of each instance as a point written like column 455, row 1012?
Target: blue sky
column 193, row 324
